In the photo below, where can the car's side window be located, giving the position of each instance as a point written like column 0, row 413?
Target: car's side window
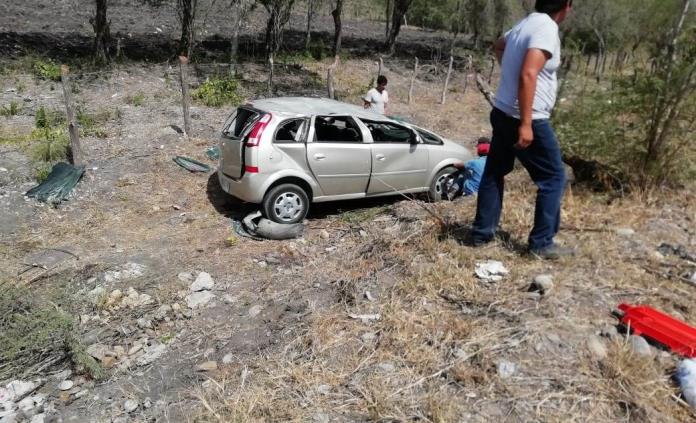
column 387, row 132
column 290, row 131
column 336, row 129
column 429, row 138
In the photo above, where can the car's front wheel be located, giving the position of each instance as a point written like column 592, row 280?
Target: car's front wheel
column 438, row 187
column 286, row 203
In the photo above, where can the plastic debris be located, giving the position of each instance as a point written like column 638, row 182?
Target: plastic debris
column 213, row 152
column 686, row 376
column 491, row 271
column 191, row 165
column 58, row 185
column 674, row 334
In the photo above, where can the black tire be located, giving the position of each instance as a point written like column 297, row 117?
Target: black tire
column 285, row 203
column 436, row 190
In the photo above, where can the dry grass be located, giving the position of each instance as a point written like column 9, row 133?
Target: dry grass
column 433, row 355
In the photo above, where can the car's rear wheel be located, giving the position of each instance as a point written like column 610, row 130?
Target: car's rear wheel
column 286, row 203
column 438, row 187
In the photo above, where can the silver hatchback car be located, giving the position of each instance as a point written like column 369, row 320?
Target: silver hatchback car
column 285, row 153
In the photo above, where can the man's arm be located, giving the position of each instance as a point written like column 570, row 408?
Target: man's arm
column 533, row 63
column 499, row 49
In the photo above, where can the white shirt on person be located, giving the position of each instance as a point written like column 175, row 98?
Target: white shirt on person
column 537, row 31
column 377, row 100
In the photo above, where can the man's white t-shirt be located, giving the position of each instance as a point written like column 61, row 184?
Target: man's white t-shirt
column 538, row 31
column 377, row 100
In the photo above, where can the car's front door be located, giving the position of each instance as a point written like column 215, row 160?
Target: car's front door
column 338, row 155
column 399, row 162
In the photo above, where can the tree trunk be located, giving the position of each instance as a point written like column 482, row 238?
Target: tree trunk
column 387, row 16
column 400, row 9
column 75, row 147
column 187, row 17
column 667, row 105
column 310, row 15
column 234, row 41
column 101, row 32
column 338, row 28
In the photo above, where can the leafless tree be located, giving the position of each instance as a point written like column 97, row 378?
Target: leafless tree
column 311, row 11
column 186, row 13
column 338, row 28
column 278, row 16
column 102, row 35
column 399, row 11
column 240, row 10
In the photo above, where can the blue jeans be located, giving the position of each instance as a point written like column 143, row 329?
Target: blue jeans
column 542, row 159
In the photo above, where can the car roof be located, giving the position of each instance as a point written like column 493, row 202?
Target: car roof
column 312, row 106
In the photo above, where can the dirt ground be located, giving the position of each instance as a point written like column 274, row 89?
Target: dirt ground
column 375, row 314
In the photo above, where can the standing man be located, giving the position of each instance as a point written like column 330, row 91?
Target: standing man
column 377, row 98
column 529, row 55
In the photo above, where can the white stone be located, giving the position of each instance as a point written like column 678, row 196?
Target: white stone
column 625, row 232
column 596, row 347
column 185, row 276
column 199, row 299
column 19, row 389
column 38, row 418
column 67, row 384
column 506, row 369
column 227, row 359
column 128, row 271
column 130, row 405
column 542, row 284
column 255, row 311
column 640, row 346
column 152, row 353
column 204, row 282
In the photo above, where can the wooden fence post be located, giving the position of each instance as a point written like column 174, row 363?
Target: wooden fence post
column 75, row 146
column 329, row 82
column 379, row 69
column 449, row 72
column 270, row 74
column 467, row 68
column 185, row 100
column 118, row 48
column 485, row 89
column 413, row 80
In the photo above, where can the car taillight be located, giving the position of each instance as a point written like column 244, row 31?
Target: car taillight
column 256, row 132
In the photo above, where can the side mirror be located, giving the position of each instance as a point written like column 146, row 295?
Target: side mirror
column 414, row 139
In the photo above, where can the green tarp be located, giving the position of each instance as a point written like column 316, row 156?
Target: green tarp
column 191, row 165
column 58, row 185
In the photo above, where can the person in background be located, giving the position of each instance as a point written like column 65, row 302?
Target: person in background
column 466, row 182
column 529, row 56
column 377, row 98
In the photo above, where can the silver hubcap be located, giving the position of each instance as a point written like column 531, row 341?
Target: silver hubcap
column 441, row 183
column 288, row 206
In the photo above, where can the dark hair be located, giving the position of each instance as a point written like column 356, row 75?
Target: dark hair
column 551, row 6
column 483, row 140
column 382, row 80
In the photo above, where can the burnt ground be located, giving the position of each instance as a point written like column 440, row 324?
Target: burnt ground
column 446, row 347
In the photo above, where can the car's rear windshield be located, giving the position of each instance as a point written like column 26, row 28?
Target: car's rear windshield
column 239, row 123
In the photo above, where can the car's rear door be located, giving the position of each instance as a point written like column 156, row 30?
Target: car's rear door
column 234, row 133
column 399, row 161
column 338, row 155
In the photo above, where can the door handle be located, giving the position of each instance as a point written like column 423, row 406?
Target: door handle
column 380, row 156
column 319, row 156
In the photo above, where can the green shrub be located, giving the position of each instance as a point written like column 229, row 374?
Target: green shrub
column 48, row 118
column 137, row 99
column 218, row 91
column 41, row 171
column 11, row 109
column 46, row 69
column 91, row 123
column 53, row 145
column 34, row 332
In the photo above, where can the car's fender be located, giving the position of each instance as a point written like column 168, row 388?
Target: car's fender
column 292, row 173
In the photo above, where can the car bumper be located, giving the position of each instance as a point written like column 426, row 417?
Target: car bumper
column 247, row 188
